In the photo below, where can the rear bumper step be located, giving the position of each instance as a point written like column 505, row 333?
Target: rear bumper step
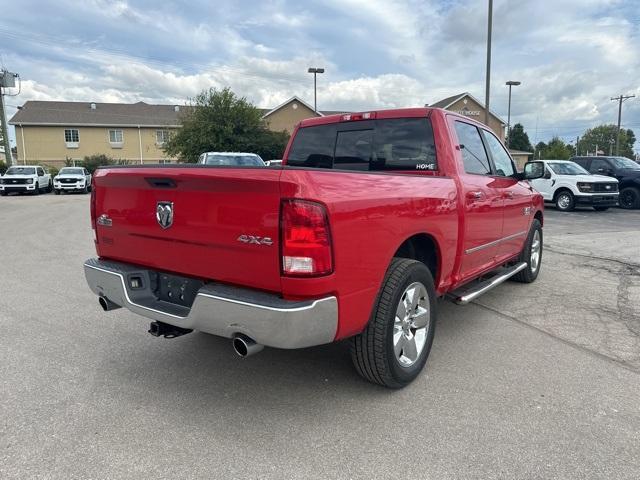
column 473, row 290
column 219, row 309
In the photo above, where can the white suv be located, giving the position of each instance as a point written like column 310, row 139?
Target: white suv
column 72, row 179
column 568, row 185
column 31, row 179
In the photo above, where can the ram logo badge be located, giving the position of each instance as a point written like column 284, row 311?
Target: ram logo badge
column 164, row 214
column 255, row 240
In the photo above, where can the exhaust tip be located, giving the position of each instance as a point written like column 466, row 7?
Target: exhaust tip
column 106, row 304
column 245, row 346
column 240, row 346
column 103, row 303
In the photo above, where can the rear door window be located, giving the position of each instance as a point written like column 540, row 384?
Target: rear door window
column 597, row 164
column 387, row 144
column 474, row 156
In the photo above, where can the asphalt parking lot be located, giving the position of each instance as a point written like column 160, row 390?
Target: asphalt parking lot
column 530, row 381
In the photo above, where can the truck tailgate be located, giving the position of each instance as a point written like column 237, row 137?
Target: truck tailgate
column 212, row 208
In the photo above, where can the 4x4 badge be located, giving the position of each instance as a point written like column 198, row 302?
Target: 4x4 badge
column 164, row 214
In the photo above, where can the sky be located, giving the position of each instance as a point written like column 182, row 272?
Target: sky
column 571, row 56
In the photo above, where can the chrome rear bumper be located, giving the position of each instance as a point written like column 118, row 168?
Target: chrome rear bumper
column 220, row 309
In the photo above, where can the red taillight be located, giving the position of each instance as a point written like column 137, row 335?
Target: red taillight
column 305, row 239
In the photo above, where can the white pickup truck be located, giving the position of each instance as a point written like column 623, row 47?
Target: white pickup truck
column 30, row 179
column 568, row 185
column 72, row 179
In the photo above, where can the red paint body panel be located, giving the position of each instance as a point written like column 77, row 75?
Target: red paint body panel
column 370, row 215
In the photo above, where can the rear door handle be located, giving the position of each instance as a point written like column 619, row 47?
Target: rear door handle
column 474, row 195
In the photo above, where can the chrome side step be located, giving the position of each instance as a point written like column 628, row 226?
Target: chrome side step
column 470, row 292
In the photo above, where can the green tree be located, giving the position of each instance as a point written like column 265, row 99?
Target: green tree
column 91, row 162
column 3, row 167
column 221, row 121
column 556, row 149
column 518, row 139
column 539, row 149
column 604, row 137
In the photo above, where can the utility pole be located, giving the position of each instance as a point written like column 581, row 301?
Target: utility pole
column 577, row 143
column 7, row 80
column 488, row 79
column 620, row 99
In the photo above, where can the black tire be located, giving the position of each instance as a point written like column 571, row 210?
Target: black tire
column 36, row 191
column 629, row 198
column 85, row 189
column 56, row 191
column 3, row 193
column 530, row 273
column 601, row 209
column 50, row 187
column 373, row 351
column 561, row 204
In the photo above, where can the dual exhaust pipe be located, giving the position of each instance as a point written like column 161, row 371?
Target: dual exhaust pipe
column 243, row 345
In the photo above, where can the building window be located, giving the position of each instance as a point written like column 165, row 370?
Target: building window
column 115, row 136
column 164, row 161
column 162, row 136
column 71, row 137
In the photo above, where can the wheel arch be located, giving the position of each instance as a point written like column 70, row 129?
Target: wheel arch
column 424, row 248
column 561, row 189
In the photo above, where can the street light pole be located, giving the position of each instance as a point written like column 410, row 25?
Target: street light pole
column 315, row 71
column 510, row 83
column 488, row 79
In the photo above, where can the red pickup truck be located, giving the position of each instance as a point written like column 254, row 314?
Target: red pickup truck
column 370, row 219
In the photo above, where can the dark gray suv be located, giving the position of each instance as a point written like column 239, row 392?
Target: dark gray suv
column 624, row 169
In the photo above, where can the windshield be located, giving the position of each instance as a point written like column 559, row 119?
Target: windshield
column 567, row 168
column 21, row 171
column 243, row 160
column 71, row 171
column 624, row 162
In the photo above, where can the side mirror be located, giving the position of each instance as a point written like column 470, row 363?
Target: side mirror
column 533, row 170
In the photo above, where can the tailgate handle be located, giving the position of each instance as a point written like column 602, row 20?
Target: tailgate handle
column 161, row 182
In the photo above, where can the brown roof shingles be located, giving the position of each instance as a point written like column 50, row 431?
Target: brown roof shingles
column 105, row 114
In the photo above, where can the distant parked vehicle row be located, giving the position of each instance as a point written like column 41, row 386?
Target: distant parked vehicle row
column 568, row 185
column 27, row 179
column 231, row 159
column 623, row 169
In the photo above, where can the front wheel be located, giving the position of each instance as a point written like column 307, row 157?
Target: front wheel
column 629, row 198
column 531, row 254
column 36, row 191
column 50, row 187
column 565, row 201
column 393, row 348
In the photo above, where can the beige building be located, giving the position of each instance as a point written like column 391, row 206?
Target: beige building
column 50, row 133
column 288, row 114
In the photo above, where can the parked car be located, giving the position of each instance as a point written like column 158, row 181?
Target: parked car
column 373, row 217
column 568, row 185
column 72, row 179
column 625, row 170
column 231, row 158
column 31, row 179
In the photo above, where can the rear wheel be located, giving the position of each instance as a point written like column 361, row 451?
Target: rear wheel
column 601, row 209
column 629, row 197
column 565, row 201
column 531, row 254
column 393, row 348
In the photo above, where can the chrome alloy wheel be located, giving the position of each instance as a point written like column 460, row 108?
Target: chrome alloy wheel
column 536, row 249
column 564, row 200
column 411, row 324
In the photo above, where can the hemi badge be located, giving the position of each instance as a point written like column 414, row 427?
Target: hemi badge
column 526, row 211
column 104, row 220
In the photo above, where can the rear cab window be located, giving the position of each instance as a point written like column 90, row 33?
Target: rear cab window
column 372, row 145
